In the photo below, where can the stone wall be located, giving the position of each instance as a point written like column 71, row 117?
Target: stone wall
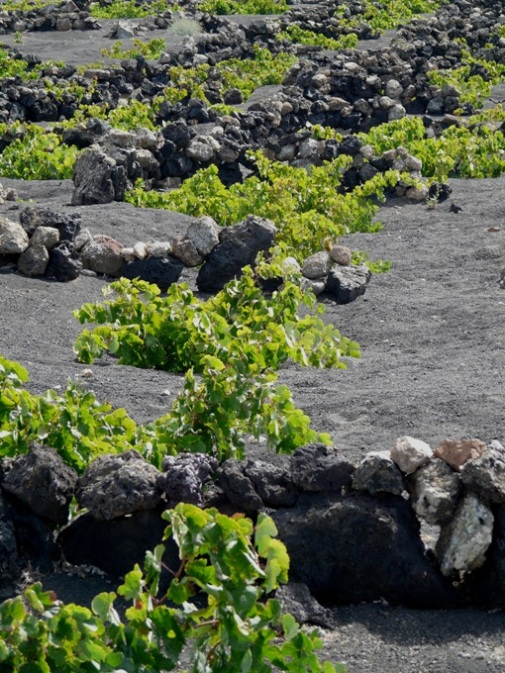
column 412, row 526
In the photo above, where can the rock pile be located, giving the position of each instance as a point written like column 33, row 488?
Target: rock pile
column 68, row 17
column 51, row 244
column 412, row 526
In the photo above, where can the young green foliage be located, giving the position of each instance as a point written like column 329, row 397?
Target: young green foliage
column 295, row 33
column 234, row 342
column 476, row 150
column 243, row 6
column 128, row 9
column 232, row 565
column 73, row 422
column 36, row 154
column 150, row 50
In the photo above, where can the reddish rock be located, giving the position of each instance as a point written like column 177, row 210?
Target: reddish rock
column 457, row 452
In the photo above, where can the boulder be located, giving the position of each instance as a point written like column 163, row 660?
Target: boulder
column 64, row 263
column 273, row 483
column 238, row 487
column 317, row 265
column 69, row 226
column 34, row 260
column 455, row 453
column 377, row 473
column 202, row 148
column 10, row 562
column 347, row 283
column 410, row 454
column 13, row 238
column 204, row 234
column 103, row 255
column 360, row 548
column 97, row 179
column 115, row 485
column 296, row 599
column 434, row 492
column 185, row 477
column 463, row 543
column 163, row 271
column 45, row 236
column 185, row 250
column 317, row 467
column 43, row 481
column 341, row 254
column 485, row 475
column 238, row 247
column 487, row 583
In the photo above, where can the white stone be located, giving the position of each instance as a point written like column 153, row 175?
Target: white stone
column 385, row 102
column 309, row 148
column 291, row 265
column 463, row 543
column 46, row 236
column 396, row 112
column 436, row 488
column 410, row 453
column 13, row 238
column 121, row 138
column 317, row 286
column 140, row 250
column 317, row 265
column 158, row 248
column 146, row 159
column 204, row 234
column 146, row 139
column 393, row 88
column 413, row 163
column 202, row 148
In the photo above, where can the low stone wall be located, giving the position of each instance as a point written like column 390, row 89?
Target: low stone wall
column 47, row 243
column 412, row 526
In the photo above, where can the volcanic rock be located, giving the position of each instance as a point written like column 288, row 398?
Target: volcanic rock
column 463, row 543
column 485, row 475
column 347, row 283
column 317, row 467
column 64, row 263
column 377, row 473
column 238, row 247
column 163, row 271
column 69, row 226
column 13, row 238
column 368, row 548
column 238, row 487
column 115, row 485
column 115, row 546
column 185, row 476
column 43, row 481
column 97, row 179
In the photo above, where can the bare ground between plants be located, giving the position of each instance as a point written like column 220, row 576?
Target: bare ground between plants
column 433, row 343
